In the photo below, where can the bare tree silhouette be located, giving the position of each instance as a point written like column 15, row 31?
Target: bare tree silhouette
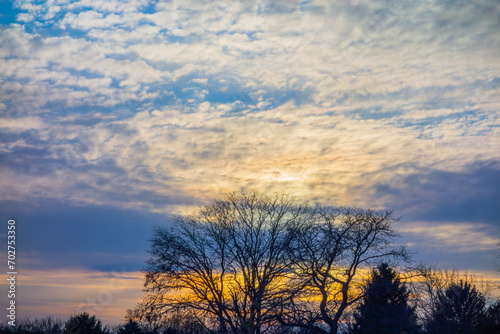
column 329, row 256
column 228, row 263
column 251, row 262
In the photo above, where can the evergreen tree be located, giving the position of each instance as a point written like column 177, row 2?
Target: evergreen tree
column 83, row 323
column 460, row 310
column 131, row 327
column 385, row 308
column 491, row 322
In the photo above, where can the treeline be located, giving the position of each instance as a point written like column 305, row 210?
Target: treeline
column 82, row 323
column 253, row 263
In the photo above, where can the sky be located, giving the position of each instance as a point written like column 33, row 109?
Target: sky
column 116, row 114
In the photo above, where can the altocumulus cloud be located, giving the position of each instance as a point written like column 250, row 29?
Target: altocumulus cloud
column 155, row 106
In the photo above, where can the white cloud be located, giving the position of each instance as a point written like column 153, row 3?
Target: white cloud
column 20, row 124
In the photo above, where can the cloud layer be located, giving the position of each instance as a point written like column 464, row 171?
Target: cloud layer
column 157, row 99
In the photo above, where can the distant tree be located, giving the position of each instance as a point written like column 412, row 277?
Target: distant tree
column 491, row 322
column 149, row 325
column 385, row 307
column 130, row 327
column 48, row 325
column 184, row 323
column 83, row 323
column 459, row 309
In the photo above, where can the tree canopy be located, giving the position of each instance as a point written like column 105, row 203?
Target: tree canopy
column 84, row 323
column 460, row 309
column 250, row 262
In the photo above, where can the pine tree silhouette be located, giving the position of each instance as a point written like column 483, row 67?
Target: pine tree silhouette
column 83, row 323
column 385, row 309
column 131, row 327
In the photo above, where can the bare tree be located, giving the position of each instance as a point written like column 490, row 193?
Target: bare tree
column 228, row 263
column 251, row 262
column 331, row 254
column 262, row 230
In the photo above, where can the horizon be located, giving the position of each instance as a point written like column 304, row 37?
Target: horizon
column 114, row 115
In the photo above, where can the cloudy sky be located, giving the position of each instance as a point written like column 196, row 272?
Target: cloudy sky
column 115, row 114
